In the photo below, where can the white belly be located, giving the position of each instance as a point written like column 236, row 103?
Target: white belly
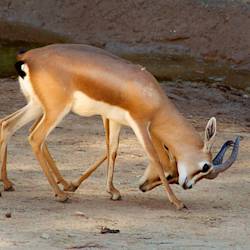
column 86, row 106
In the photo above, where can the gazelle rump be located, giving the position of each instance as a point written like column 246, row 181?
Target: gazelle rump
column 57, row 79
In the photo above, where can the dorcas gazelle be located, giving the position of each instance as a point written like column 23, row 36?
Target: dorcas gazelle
column 57, row 79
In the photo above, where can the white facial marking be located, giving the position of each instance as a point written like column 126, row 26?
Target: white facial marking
column 192, row 181
column 142, row 180
column 182, row 169
column 202, row 163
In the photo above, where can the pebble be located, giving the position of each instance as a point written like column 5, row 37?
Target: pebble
column 81, row 214
column 106, row 230
column 8, row 215
column 71, row 235
column 44, row 236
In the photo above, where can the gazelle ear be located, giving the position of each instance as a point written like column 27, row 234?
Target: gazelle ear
column 210, row 133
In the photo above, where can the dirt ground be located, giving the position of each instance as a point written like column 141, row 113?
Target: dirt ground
column 219, row 211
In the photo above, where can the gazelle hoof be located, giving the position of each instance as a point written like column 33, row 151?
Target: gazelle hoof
column 71, row 187
column 115, row 196
column 181, row 206
column 62, row 197
column 8, row 187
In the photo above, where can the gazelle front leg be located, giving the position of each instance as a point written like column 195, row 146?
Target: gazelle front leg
column 75, row 184
column 115, row 129
column 142, row 133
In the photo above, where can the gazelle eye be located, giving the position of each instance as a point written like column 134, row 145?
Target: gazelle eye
column 205, row 168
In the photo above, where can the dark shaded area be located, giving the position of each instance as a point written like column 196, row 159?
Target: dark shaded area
column 8, row 52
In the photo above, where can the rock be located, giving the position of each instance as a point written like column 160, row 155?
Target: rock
column 8, row 215
column 44, row 236
column 81, row 214
column 71, row 235
column 106, row 230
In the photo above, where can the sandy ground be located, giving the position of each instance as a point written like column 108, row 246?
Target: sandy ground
column 219, row 210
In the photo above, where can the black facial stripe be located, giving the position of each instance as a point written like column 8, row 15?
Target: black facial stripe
column 197, row 172
column 205, row 168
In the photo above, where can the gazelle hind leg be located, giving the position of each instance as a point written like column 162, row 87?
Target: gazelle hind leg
column 142, row 133
column 8, row 186
column 115, row 129
column 37, row 140
column 5, row 157
column 8, row 127
column 54, row 169
column 51, row 162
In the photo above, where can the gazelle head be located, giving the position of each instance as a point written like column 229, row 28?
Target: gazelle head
column 193, row 165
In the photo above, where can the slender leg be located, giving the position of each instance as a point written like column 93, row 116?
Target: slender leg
column 113, row 147
column 143, row 136
column 8, row 186
column 8, row 128
column 106, row 125
column 54, row 169
column 35, row 124
column 166, row 158
column 37, row 140
column 75, row 184
column 5, row 157
column 51, row 162
column 86, row 174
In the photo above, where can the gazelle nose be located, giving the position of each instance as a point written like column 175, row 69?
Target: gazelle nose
column 142, row 187
column 186, row 186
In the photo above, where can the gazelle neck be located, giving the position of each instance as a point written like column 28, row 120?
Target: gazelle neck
column 175, row 131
